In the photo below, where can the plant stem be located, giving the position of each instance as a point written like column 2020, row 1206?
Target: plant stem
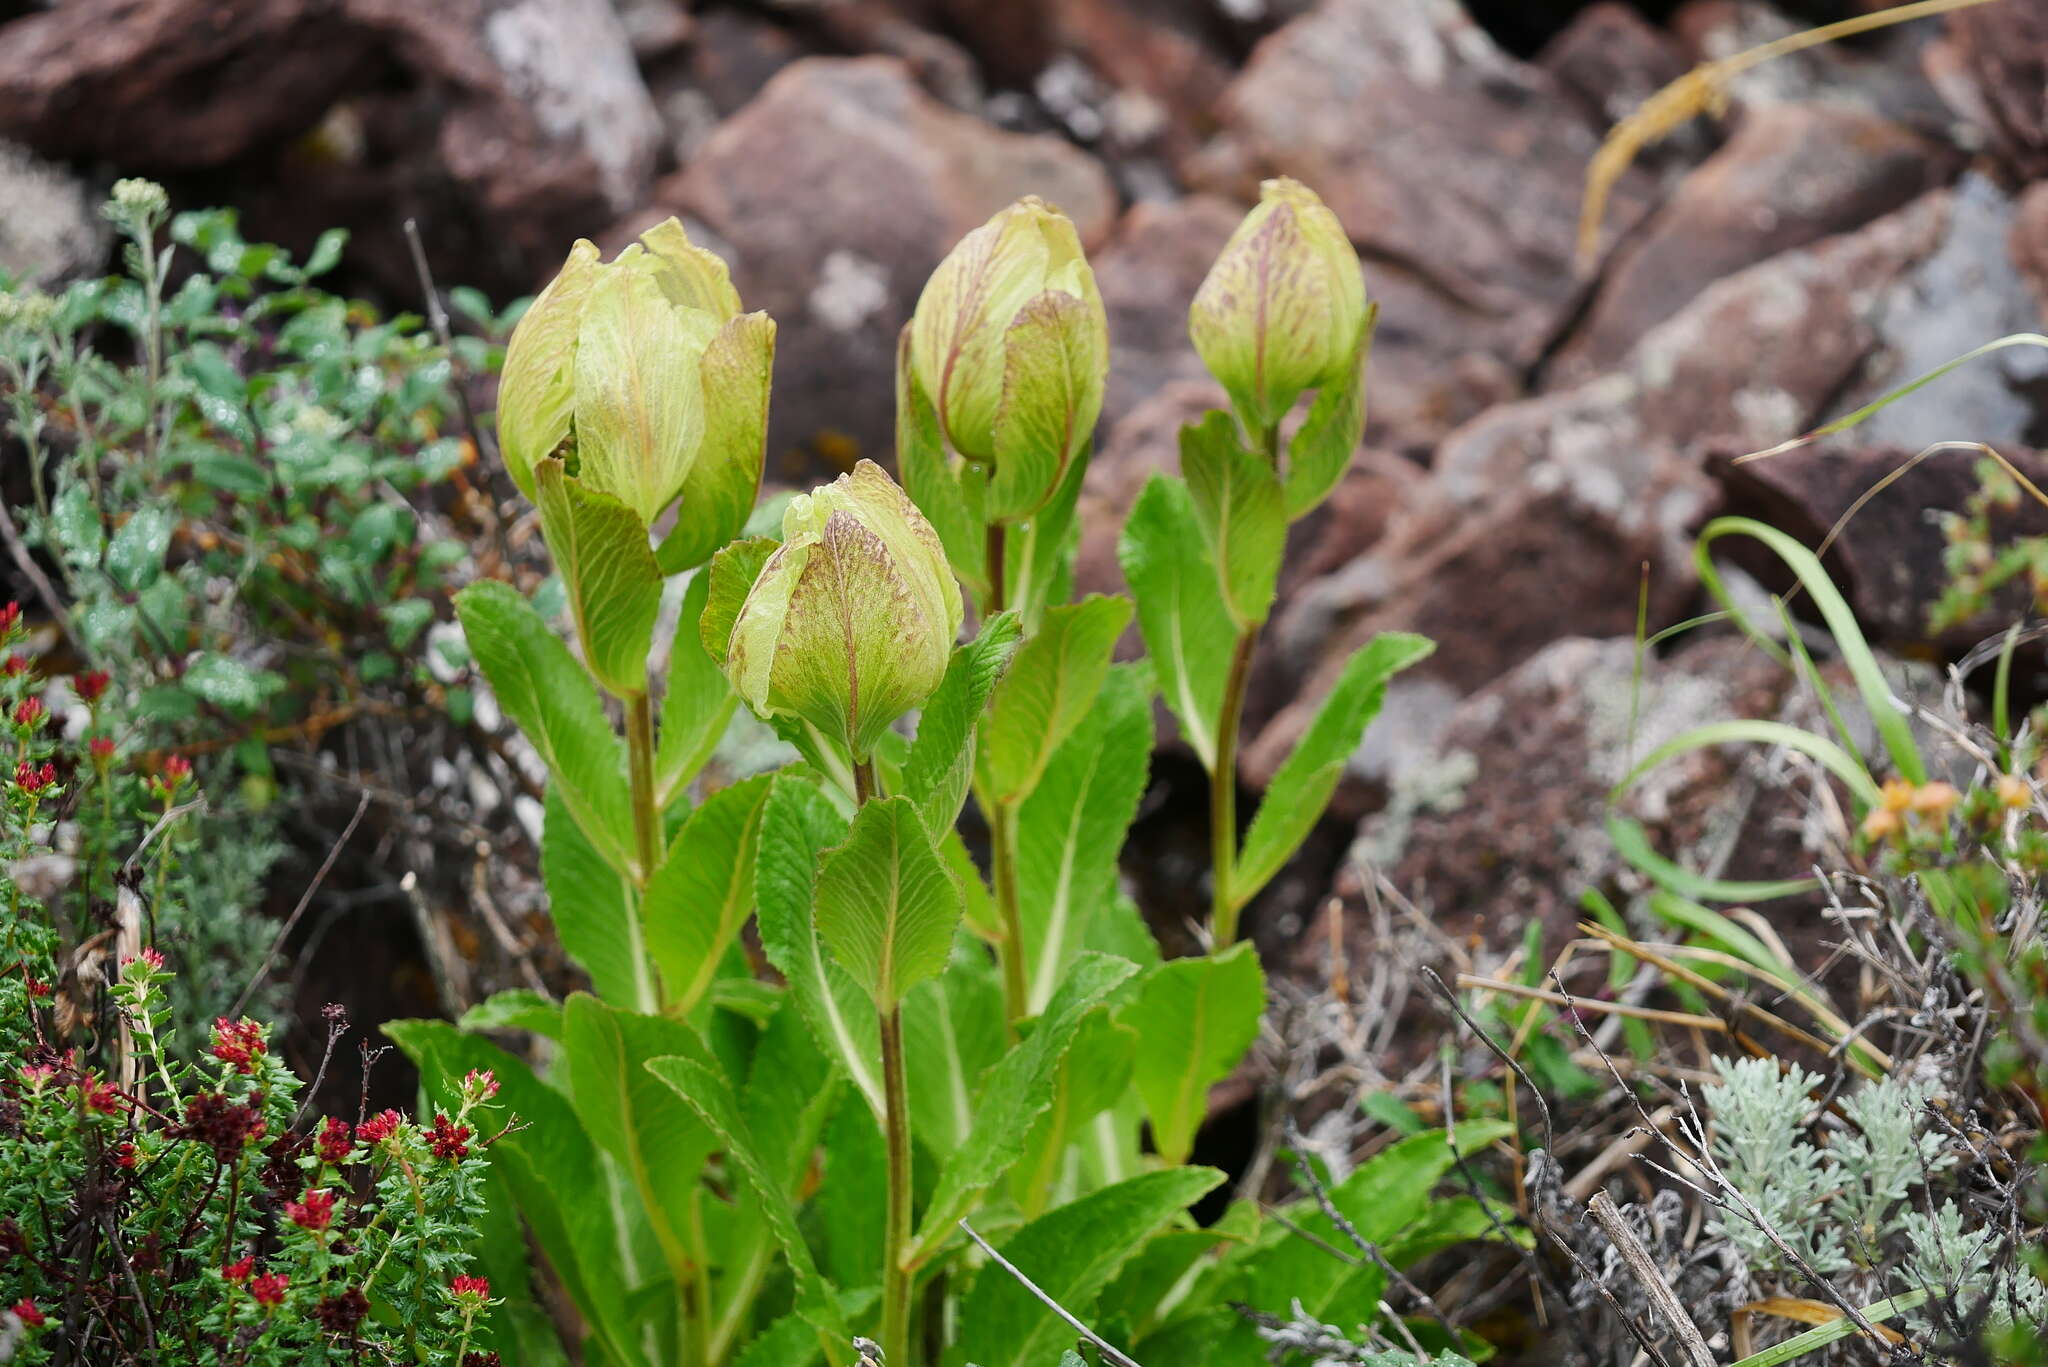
column 640, row 769
column 1002, row 844
column 997, row 551
column 1223, row 905
column 896, row 1278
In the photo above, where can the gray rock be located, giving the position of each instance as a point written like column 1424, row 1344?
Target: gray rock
column 50, row 230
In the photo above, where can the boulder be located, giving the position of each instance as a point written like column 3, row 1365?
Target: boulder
column 1789, row 175
column 835, row 192
column 1992, row 68
column 1457, row 170
column 1148, row 275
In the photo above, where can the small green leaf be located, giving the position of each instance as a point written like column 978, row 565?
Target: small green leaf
column 1187, row 627
column 886, row 906
column 1071, row 827
column 519, row 1008
column 600, row 546
column 797, row 827
column 1050, row 686
column 1299, row 792
column 656, row 1139
column 719, row 490
column 1195, row 1019
column 1237, row 499
column 707, row 1094
column 701, row 896
column 1069, row 1255
column 593, row 910
column 732, row 575
column 229, row 683
column 697, row 703
column 1017, row 1091
column 941, row 760
column 1321, row 451
column 544, row 690
column 1053, row 369
column 135, row 557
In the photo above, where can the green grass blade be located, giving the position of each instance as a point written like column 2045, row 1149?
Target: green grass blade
column 1799, row 1345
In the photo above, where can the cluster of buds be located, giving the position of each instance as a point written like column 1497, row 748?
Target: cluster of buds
column 848, row 624
column 378, row 1127
column 333, row 1143
column 448, row 1140
column 168, row 781
column 314, row 1210
column 34, row 779
column 239, row 1043
column 469, row 1293
column 29, row 716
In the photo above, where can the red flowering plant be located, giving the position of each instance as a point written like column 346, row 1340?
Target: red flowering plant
column 174, row 1201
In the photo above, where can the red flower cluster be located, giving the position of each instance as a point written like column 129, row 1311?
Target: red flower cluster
column 31, row 779
column 10, row 616
column 36, row 986
column 341, row 1314
column 238, row 1042
column 124, row 1155
column 378, row 1128
column 102, row 748
column 25, row 1309
column 29, row 713
column 474, row 1290
column 91, row 686
column 239, row 1270
column 334, row 1141
column 150, row 957
column 481, row 1082
column 268, row 1289
column 225, row 1125
column 99, row 1096
column 448, row 1140
column 15, row 665
column 314, row 1211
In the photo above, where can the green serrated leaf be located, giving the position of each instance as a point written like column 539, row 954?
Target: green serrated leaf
column 941, row 762
column 886, row 907
column 697, row 703
column 1094, row 1075
column 1187, row 627
column 1050, row 685
column 732, row 575
column 1237, row 500
column 657, row 1140
column 798, row 825
column 1195, row 1019
column 614, row 585
column 544, row 690
column 1070, row 1255
column 952, row 1034
column 1016, row 1092
column 1299, row 792
column 707, row 1093
column 593, row 910
column 1071, row 827
column 702, row 894
column 520, row 1008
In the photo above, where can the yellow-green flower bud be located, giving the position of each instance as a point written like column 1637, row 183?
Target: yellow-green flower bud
column 645, row 377
column 1010, row 345
column 1281, row 310
column 851, row 621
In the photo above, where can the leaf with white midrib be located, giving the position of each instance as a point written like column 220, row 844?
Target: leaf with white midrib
column 886, row 907
column 1181, row 611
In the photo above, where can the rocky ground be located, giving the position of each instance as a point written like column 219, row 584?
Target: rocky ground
column 1543, row 443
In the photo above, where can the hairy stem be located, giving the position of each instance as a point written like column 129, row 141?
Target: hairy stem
column 896, row 1278
column 1002, row 843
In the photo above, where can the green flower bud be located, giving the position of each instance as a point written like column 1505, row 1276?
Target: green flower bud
column 851, row 621
column 1010, row 345
column 1281, row 310
column 643, row 375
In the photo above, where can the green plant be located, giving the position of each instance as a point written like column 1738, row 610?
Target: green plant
column 155, row 1209
column 231, row 506
column 728, row 1169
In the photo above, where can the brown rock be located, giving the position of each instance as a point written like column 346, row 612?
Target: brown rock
column 1790, row 175
column 2030, row 243
column 1887, row 559
column 1993, row 68
column 1539, row 516
column 1418, row 132
column 1882, row 74
column 837, row 191
column 166, row 85
column 1610, row 59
